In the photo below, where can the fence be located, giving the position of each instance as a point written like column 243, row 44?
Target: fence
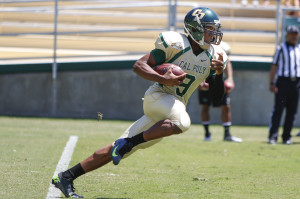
column 51, row 11
column 83, row 94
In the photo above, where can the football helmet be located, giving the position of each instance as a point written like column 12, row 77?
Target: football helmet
column 203, row 26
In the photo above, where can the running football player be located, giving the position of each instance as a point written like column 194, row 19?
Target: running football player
column 165, row 101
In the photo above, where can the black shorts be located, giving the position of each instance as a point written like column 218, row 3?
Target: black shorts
column 205, row 99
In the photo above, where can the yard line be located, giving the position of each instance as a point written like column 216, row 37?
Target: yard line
column 63, row 165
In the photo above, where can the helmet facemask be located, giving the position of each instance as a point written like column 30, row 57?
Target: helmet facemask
column 213, row 34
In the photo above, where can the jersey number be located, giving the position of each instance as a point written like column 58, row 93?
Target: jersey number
column 185, row 86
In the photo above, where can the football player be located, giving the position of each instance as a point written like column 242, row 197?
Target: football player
column 165, row 101
column 205, row 102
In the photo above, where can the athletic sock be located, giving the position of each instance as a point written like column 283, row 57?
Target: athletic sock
column 137, row 139
column 206, row 128
column 226, row 129
column 74, row 172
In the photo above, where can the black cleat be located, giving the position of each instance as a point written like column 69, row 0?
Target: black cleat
column 207, row 136
column 232, row 139
column 65, row 186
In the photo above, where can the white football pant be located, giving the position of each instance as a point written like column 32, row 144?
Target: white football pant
column 158, row 106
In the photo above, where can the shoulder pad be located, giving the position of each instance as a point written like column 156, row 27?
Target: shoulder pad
column 175, row 40
column 171, row 43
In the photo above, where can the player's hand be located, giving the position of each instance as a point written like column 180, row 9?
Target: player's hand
column 218, row 64
column 172, row 80
column 229, row 85
column 273, row 88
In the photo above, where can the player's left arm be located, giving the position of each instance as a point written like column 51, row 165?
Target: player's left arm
column 144, row 68
column 216, row 83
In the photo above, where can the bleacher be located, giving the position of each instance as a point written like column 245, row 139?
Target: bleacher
column 105, row 28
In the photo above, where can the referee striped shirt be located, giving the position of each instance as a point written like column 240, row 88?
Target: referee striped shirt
column 287, row 58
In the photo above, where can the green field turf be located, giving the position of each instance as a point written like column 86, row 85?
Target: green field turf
column 182, row 166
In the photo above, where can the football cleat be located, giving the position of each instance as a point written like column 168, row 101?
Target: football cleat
column 287, row 142
column 272, row 141
column 207, row 136
column 65, row 186
column 233, row 139
column 119, row 149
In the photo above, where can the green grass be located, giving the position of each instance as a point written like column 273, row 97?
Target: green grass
column 182, row 166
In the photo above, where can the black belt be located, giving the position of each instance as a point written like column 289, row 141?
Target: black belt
column 293, row 79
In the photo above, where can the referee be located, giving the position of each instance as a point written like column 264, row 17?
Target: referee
column 286, row 66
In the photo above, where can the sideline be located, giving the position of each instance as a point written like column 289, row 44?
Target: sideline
column 63, row 165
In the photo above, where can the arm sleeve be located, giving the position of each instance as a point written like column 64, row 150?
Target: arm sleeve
column 216, row 87
column 159, row 56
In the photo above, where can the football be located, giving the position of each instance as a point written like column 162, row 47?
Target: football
column 163, row 68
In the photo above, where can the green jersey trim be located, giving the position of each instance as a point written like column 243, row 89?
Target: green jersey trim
column 179, row 54
column 211, row 73
column 209, row 55
column 159, row 56
column 162, row 39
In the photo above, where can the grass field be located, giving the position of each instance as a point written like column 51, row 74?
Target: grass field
column 182, row 166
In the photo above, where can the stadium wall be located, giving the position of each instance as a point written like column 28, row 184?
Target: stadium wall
column 83, row 89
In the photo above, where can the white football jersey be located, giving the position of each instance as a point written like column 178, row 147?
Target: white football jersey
column 197, row 68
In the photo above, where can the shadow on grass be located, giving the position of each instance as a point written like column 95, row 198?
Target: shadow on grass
column 296, row 143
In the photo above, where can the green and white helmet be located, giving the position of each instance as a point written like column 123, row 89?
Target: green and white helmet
column 196, row 23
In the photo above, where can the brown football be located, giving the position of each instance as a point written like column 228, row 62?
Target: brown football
column 163, row 68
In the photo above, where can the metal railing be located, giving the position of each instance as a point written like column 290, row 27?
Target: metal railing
column 171, row 15
column 90, row 5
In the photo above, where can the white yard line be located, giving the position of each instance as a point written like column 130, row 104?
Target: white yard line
column 63, row 165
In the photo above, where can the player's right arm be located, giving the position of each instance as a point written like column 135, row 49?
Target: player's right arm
column 273, row 87
column 144, row 68
column 274, row 67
